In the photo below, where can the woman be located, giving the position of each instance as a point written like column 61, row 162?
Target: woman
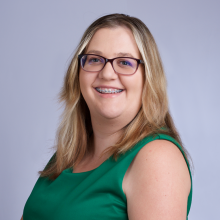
column 118, row 153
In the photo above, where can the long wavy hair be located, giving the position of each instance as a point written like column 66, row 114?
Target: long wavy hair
column 74, row 134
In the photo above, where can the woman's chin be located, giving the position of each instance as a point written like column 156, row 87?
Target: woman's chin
column 110, row 114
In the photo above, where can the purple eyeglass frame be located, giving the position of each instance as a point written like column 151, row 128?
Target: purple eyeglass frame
column 111, row 61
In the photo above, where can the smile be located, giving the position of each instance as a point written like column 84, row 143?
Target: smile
column 106, row 90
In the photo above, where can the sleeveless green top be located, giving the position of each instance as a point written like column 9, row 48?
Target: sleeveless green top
column 95, row 194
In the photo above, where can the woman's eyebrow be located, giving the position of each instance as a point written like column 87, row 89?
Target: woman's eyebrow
column 124, row 54
column 95, row 52
column 121, row 54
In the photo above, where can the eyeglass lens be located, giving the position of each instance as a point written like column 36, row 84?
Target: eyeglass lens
column 94, row 63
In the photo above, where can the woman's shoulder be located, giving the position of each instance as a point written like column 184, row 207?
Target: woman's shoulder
column 158, row 151
column 158, row 177
column 161, row 156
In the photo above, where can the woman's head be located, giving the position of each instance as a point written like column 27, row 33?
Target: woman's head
column 154, row 97
column 148, row 85
column 108, row 94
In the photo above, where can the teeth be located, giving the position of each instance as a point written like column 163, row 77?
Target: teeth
column 105, row 90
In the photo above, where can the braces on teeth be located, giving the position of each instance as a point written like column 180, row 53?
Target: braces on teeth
column 109, row 90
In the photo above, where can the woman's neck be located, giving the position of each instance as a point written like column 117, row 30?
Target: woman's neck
column 105, row 134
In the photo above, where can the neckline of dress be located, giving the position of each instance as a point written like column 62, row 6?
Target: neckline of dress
column 70, row 170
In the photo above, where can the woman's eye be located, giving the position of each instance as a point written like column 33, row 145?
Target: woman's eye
column 125, row 63
column 94, row 60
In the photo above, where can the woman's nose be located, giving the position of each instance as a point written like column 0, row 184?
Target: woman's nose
column 108, row 72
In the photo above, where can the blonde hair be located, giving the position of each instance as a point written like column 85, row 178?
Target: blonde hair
column 75, row 131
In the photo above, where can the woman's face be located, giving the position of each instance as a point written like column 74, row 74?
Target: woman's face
column 111, row 43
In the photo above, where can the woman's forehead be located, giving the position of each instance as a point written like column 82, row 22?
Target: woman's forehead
column 117, row 41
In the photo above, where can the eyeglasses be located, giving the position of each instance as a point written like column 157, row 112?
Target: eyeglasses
column 121, row 65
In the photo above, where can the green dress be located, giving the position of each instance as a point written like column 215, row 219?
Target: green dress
column 92, row 195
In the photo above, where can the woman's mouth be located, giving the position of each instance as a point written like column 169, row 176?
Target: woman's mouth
column 108, row 90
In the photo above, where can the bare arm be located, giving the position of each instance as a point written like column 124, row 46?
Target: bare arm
column 22, row 217
column 159, row 183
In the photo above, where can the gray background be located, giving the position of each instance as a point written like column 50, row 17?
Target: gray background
column 37, row 42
